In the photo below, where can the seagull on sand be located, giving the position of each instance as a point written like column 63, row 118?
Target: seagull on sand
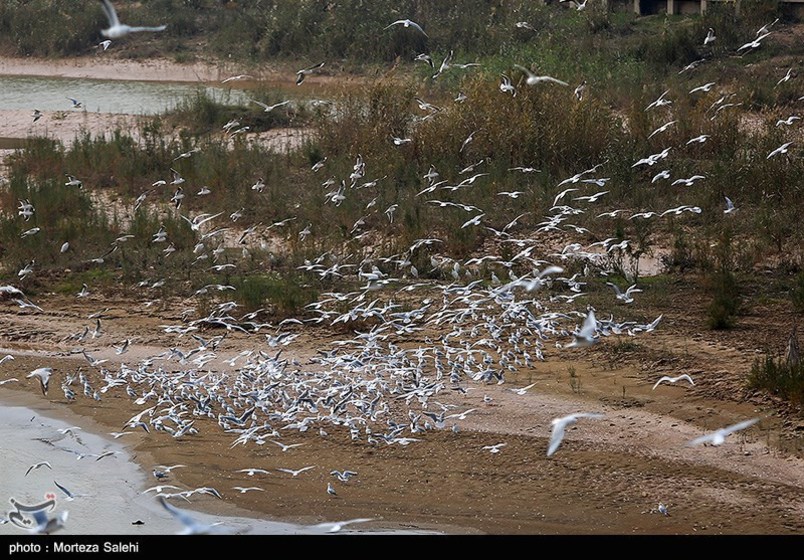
column 494, row 448
column 43, row 374
column 116, row 29
column 331, row 490
column 560, row 425
column 719, row 436
column 674, row 379
column 407, row 23
column 533, row 79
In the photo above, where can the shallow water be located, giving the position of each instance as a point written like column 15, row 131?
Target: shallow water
column 104, row 96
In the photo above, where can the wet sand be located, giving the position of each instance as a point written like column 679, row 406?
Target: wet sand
column 108, row 492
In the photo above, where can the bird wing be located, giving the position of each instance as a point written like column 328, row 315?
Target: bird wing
column 664, row 378
column 63, row 489
column 260, row 103
column 556, row 436
column 111, row 13
column 739, row 426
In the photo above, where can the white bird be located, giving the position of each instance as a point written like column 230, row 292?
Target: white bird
column 269, row 108
column 506, row 86
column 663, row 509
column 755, row 44
column 788, row 121
column 624, row 297
column 243, row 490
column 301, row 74
column 43, row 374
column 296, row 473
column 76, row 104
column 191, row 526
column 252, row 472
column 586, row 336
column 661, row 101
column 687, row 182
column 533, row 79
column 286, row 447
column 560, row 426
column 700, row 139
column 522, row 390
column 407, row 23
column 336, row 526
column 116, row 29
column 706, row 87
column 673, row 379
column 661, row 129
column 710, row 37
column 786, row 77
column 780, row 150
column 719, row 436
column 73, row 182
column 237, row 78
column 331, row 489
column 38, row 466
column 730, row 208
column 494, row 448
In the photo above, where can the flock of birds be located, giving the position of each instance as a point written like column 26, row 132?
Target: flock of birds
column 384, row 385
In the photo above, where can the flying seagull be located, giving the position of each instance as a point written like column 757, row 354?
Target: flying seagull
column 38, row 466
column 560, row 425
column 674, row 379
column 191, row 526
column 301, row 74
column 116, row 29
column 719, row 436
column 533, row 79
column 43, row 374
column 407, row 23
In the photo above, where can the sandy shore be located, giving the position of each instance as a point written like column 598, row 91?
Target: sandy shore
column 100, row 68
column 108, row 492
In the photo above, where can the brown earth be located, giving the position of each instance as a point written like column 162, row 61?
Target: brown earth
column 608, row 477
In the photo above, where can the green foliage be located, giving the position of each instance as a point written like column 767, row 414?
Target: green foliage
column 283, row 295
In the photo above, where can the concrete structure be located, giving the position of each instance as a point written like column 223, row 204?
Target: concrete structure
column 688, row 6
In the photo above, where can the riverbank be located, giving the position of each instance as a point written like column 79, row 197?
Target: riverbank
column 105, row 481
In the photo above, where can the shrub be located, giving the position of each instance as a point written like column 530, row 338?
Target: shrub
column 778, row 377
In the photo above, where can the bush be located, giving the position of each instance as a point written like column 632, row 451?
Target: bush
column 778, row 377
column 726, row 304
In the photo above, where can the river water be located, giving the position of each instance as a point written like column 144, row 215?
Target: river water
column 104, row 96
